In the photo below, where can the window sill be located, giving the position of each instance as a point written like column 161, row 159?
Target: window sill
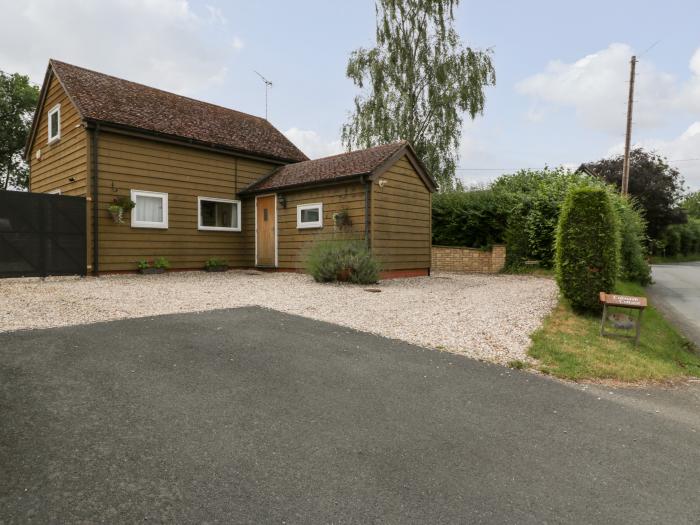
column 217, row 229
column 53, row 141
column 155, row 226
column 309, row 226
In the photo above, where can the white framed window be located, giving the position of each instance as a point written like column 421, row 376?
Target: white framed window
column 218, row 214
column 55, row 123
column 151, row 210
column 310, row 215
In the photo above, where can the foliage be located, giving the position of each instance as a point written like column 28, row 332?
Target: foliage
column 657, row 186
column 214, row 262
column 333, row 260
column 680, row 239
column 468, row 218
column 420, row 80
column 125, row 203
column 18, row 100
column 587, row 247
column 570, row 346
column 161, row 262
column 691, row 204
column 633, row 253
column 539, row 195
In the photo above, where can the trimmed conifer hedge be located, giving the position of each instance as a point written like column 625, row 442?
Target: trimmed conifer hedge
column 587, row 247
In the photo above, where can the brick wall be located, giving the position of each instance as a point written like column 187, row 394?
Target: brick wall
column 456, row 259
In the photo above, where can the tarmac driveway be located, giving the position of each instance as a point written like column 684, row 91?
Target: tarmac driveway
column 253, row 416
column 676, row 290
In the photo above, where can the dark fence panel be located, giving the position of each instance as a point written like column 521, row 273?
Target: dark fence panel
column 42, row 234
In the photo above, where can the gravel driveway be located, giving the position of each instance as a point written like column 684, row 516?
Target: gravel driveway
column 486, row 317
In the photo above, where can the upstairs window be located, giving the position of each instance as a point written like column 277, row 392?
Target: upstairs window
column 219, row 214
column 310, row 215
column 55, row 123
column 151, row 210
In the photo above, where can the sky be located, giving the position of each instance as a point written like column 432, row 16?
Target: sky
column 562, row 68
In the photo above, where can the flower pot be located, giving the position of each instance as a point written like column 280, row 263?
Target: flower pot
column 220, row 268
column 117, row 215
column 151, row 271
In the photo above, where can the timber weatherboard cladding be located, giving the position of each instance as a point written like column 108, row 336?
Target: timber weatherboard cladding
column 401, row 219
column 127, row 163
column 400, row 211
column 294, row 243
column 63, row 159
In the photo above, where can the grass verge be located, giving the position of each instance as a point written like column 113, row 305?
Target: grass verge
column 657, row 259
column 569, row 346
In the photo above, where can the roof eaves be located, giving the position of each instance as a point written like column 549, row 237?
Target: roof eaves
column 117, row 127
column 301, row 185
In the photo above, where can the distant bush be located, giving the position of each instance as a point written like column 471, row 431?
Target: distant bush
column 342, row 260
column 680, row 239
column 587, row 247
column 633, row 253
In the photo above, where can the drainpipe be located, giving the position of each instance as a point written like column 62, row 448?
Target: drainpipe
column 95, row 205
column 368, row 189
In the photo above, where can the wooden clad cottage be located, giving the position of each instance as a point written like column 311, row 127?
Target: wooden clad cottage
column 212, row 182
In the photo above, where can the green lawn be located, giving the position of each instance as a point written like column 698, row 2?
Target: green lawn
column 570, row 346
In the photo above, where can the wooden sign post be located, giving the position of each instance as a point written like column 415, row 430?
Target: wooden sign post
column 622, row 301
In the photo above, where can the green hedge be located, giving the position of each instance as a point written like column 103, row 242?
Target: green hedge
column 476, row 219
column 587, row 247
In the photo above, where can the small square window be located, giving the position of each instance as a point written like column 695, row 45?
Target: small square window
column 310, row 215
column 55, row 123
column 151, row 210
column 219, row 214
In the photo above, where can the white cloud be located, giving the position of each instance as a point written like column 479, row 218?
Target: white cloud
column 690, row 93
column 596, row 87
column 237, row 43
column 680, row 151
column 313, row 144
column 164, row 43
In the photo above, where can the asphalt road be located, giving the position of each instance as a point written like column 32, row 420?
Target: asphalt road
column 676, row 290
column 252, row 416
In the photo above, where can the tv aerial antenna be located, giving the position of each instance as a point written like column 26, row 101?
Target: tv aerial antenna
column 268, row 85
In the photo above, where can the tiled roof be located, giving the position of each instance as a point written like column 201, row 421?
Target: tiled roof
column 345, row 165
column 112, row 100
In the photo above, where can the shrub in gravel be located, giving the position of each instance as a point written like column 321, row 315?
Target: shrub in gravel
column 342, row 260
column 587, row 247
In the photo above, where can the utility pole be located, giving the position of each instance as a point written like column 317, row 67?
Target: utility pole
column 628, row 134
column 268, row 85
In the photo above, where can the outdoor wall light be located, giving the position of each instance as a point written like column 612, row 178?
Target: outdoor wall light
column 381, row 182
column 282, row 200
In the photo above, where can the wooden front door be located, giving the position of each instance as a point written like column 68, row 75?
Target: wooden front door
column 266, row 223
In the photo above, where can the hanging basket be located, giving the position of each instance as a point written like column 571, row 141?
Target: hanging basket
column 117, row 214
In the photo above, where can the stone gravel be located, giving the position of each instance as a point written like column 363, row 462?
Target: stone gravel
column 487, row 317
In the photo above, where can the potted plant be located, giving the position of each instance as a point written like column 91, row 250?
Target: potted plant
column 119, row 206
column 341, row 219
column 215, row 265
column 159, row 265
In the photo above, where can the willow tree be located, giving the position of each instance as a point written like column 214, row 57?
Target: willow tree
column 417, row 84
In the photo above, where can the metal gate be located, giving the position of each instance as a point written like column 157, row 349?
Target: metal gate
column 42, row 234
